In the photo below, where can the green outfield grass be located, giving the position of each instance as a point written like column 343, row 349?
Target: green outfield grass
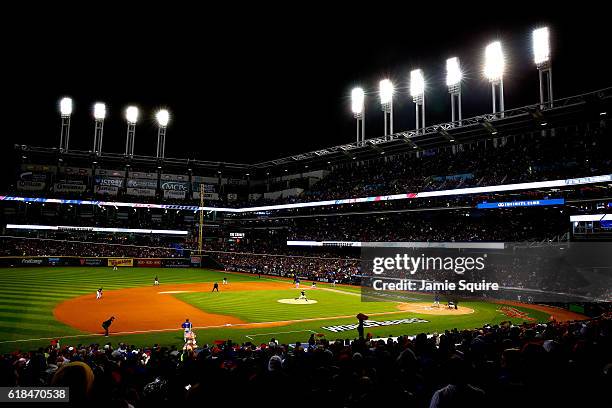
column 29, row 295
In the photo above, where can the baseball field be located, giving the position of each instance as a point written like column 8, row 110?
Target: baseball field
column 43, row 303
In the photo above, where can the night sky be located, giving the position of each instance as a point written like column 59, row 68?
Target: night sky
column 268, row 83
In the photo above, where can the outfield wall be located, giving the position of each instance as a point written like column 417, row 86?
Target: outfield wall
column 30, row 261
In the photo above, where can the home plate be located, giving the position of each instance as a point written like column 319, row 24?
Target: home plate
column 170, row 292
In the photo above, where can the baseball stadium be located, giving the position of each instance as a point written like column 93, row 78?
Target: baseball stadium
column 461, row 258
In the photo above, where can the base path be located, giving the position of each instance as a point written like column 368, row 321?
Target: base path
column 148, row 308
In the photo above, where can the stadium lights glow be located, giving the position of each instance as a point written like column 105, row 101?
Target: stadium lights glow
column 357, row 100
column 66, row 106
column 386, row 91
column 99, row 111
column 541, row 46
column 494, row 62
column 163, row 117
column 131, row 114
column 453, row 72
column 417, row 83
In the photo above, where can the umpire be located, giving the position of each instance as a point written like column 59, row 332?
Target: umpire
column 106, row 324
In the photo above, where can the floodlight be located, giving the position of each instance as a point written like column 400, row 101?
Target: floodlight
column 99, row 111
column 541, row 46
column 163, row 117
column 386, row 91
column 494, row 62
column 453, row 72
column 66, row 106
column 417, row 83
column 357, row 100
column 131, row 114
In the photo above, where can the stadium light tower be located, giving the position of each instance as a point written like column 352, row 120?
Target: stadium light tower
column 99, row 115
column 541, row 57
column 131, row 115
column 453, row 82
column 65, row 111
column 358, row 108
column 386, row 101
column 163, row 117
column 494, row 72
column 417, row 91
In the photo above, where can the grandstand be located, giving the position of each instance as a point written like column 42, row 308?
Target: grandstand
column 528, row 188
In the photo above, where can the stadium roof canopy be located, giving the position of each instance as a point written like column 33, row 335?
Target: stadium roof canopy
column 567, row 111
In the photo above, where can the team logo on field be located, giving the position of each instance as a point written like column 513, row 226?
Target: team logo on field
column 374, row 323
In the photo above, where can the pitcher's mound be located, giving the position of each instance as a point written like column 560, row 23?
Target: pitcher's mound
column 298, row 301
column 428, row 308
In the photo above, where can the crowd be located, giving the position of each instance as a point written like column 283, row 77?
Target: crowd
column 555, row 364
column 94, row 248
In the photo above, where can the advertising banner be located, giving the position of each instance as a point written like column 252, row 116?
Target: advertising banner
column 110, row 190
column 34, row 261
column 142, row 183
column 40, row 168
column 525, row 203
column 92, row 261
column 151, row 263
column 105, row 181
column 110, row 173
column 120, row 262
column 142, row 175
column 208, row 188
column 207, row 196
column 174, row 194
column 232, row 196
column 174, row 186
column 76, row 171
column 69, row 188
column 202, row 179
column 30, row 185
column 175, row 177
column 141, row 192
column 30, row 176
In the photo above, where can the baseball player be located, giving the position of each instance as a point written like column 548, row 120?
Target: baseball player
column 187, row 326
column 216, row 287
column 436, row 300
column 114, row 267
column 99, row 293
column 302, row 296
column 106, row 324
column 156, row 281
column 314, row 284
column 296, row 280
column 225, row 281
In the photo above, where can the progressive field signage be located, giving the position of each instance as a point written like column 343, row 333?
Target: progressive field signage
column 373, row 323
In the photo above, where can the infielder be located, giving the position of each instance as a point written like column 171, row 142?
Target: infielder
column 99, row 293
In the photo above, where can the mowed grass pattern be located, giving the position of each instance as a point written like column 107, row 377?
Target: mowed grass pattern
column 263, row 306
column 29, row 295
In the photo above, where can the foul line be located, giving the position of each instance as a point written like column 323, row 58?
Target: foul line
column 269, row 334
column 219, row 326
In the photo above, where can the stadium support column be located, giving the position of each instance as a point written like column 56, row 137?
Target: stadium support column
column 541, row 57
column 358, row 107
column 386, row 103
column 201, row 226
column 99, row 115
column 417, row 91
column 162, row 117
column 66, row 112
column 494, row 72
column 131, row 114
